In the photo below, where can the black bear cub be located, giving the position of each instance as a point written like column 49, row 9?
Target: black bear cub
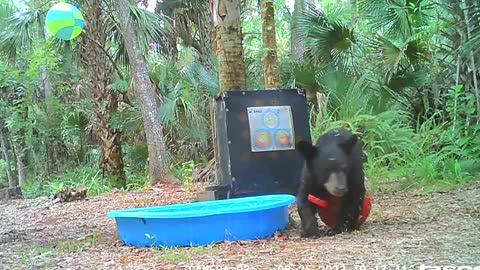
column 333, row 171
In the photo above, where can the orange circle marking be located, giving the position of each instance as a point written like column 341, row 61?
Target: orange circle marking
column 283, row 138
column 262, row 139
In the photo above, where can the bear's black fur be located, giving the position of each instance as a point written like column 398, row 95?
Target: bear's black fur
column 334, row 165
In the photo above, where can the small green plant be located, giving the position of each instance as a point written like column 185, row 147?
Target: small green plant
column 32, row 255
column 183, row 171
column 136, row 180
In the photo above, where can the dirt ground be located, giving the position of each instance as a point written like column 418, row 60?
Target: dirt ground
column 404, row 230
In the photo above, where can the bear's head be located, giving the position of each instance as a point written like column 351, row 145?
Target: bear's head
column 329, row 164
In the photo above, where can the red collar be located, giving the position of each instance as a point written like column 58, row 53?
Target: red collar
column 323, row 203
column 318, row 201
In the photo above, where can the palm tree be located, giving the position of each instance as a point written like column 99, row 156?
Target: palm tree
column 271, row 73
column 327, row 43
column 228, row 44
column 389, row 49
column 192, row 25
column 157, row 153
column 229, row 51
column 296, row 43
column 93, row 56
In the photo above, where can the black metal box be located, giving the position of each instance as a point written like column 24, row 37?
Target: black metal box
column 254, row 138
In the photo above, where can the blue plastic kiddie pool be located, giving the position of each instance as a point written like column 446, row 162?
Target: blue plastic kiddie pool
column 202, row 223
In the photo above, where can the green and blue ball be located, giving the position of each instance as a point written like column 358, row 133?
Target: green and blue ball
column 64, row 21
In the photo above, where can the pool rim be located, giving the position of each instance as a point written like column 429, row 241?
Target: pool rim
column 273, row 201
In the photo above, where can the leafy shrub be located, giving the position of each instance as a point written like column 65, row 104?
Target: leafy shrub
column 428, row 156
column 183, row 171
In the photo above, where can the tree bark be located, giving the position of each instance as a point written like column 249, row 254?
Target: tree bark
column 12, row 182
column 229, row 50
column 296, row 45
column 157, row 152
column 21, row 169
column 105, row 101
column 45, row 79
column 271, row 75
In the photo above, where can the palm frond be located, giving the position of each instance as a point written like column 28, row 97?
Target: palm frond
column 473, row 42
column 327, row 41
column 20, row 32
column 7, row 8
column 396, row 18
column 151, row 29
column 150, row 26
column 416, row 51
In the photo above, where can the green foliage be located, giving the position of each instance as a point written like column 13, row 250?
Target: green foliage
column 429, row 156
column 186, row 88
column 3, row 176
column 136, row 157
column 137, row 180
column 398, row 73
column 253, row 49
column 79, row 177
column 327, row 40
column 184, row 170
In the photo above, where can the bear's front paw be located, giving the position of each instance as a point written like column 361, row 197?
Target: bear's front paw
column 310, row 232
column 333, row 231
column 338, row 230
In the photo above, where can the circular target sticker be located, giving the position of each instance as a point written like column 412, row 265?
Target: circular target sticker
column 282, row 138
column 262, row 139
column 271, row 120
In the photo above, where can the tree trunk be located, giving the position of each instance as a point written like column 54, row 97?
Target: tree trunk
column 298, row 48
column 271, row 74
column 105, row 101
column 12, row 182
column 21, row 169
column 46, row 92
column 157, row 152
column 45, row 79
column 296, row 45
column 229, row 50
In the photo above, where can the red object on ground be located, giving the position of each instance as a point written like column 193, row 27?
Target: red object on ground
column 330, row 206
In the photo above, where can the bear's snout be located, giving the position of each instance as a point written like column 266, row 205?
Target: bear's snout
column 337, row 184
column 340, row 191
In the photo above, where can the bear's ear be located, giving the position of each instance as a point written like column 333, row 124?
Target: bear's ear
column 348, row 144
column 307, row 150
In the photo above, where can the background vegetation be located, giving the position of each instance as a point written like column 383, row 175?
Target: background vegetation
column 402, row 74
